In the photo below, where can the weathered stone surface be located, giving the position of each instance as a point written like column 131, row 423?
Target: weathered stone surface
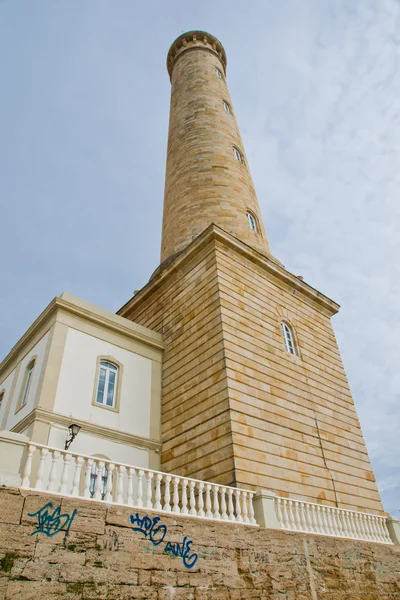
column 235, row 562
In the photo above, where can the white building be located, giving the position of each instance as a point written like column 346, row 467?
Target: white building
column 80, row 364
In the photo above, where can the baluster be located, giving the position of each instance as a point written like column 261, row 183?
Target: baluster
column 238, row 509
column 120, row 484
column 64, row 474
column 77, row 475
column 251, row 508
column 308, row 518
column 350, row 524
column 88, row 473
column 184, row 510
column 200, row 503
column 53, row 470
column 324, row 519
column 320, row 524
column 367, row 533
column 334, row 520
column 286, row 523
column 345, row 524
column 224, row 515
column 98, row 486
column 208, row 501
column 109, row 483
column 340, row 524
column 149, row 489
column 371, row 525
column 230, row 505
column 28, row 466
column 292, row 523
column 303, row 516
column 279, row 512
column 130, row 473
column 39, row 480
column 167, row 494
column 244, row 507
column 175, row 496
column 357, row 525
column 216, row 513
column 139, row 493
column 157, row 495
column 192, row 498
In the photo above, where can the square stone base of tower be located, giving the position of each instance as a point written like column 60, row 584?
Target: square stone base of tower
column 237, row 408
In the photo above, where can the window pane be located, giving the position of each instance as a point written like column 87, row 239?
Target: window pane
column 111, row 387
column 26, row 388
column 100, row 388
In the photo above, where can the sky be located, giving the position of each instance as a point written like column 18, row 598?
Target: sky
column 316, row 89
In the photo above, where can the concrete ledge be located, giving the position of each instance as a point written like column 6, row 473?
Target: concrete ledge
column 12, row 448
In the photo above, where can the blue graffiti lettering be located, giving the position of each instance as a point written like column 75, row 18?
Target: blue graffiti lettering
column 155, row 531
column 182, row 550
column 148, row 527
column 51, row 523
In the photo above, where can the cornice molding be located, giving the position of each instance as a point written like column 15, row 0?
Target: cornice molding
column 270, row 264
column 90, row 313
column 48, row 416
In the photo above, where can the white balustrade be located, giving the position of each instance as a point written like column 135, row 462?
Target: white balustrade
column 307, row 517
column 70, row 474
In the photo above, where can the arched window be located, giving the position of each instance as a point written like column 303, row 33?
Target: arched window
column 107, row 384
column 237, row 154
column 226, row 107
column 27, row 382
column 288, row 338
column 219, row 73
column 251, row 220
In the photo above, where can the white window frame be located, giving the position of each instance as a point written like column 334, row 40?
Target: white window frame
column 252, row 221
column 237, row 154
column 27, row 383
column 226, row 107
column 109, row 367
column 288, row 338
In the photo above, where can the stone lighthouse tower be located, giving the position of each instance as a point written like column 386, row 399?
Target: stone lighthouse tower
column 254, row 392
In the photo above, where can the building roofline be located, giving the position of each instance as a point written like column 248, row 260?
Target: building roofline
column 269, row 263
column 90, row 312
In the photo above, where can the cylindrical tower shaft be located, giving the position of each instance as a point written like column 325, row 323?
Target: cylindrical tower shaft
column 207, row 176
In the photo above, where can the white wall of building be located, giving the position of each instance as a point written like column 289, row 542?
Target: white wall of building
column 5, row 386
column 38, row 352
column 77, row 382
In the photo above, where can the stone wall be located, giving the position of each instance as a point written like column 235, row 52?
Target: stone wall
column 103, row 557
column 237, row 409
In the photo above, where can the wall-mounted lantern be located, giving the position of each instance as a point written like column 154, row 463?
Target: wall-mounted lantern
column 73, row 432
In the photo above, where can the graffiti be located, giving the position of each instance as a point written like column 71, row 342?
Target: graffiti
column 182, row 550
column 155, row 531
column 51, row 523
column 148, row 528
column 111, row 541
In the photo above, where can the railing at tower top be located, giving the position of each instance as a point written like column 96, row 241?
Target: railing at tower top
column 80, row 476
column 307, row 517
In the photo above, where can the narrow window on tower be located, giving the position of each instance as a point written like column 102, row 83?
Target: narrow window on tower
column 237, row 154
column 107, row 384
column 288, row 338
column 227, row 107
column 2, row 394
column 218, row 72
column 251, row 220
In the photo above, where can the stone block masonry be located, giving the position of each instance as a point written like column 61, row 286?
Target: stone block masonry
column 76, row 549
column 236, row 408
